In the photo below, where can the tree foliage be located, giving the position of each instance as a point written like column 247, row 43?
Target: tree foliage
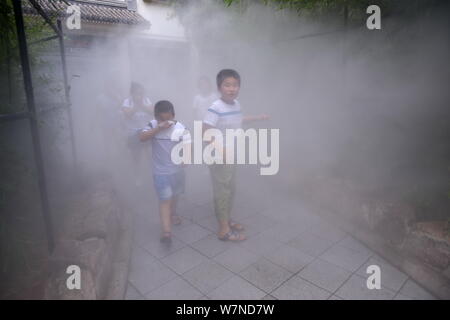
column 354, row 9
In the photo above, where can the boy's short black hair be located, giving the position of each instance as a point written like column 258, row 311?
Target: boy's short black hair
column 164, row 106
column 227, row 73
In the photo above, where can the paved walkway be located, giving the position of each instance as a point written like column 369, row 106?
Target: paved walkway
column 290, row 253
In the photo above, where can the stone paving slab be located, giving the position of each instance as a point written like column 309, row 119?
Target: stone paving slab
column 149, row 277
column 175, row 289
column 207, row 276
column 327, row 231
column 346, row 258
column 392, row 278
column 237, row 288
column 412, row 290
column 191, row 233
column 211, row 246
column 285, row 232
column 236, row 258
column 311, row 244
column 183, row 260
column 289, row 258
column 290, row 253
column 351, row 243
column 265, row 275
column 156, row 249
column 261, row 244
column 325, row 275
column 133, row 294
column 356, row 289
column 298, row 289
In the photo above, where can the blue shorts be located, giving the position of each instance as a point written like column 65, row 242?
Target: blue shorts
column 169, row 185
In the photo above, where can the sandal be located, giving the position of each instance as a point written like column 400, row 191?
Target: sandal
column 176, row 220
column 166, row 238
column 236, row 226
column 234, row 236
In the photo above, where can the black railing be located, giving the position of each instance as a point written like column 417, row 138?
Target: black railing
column 32, row 113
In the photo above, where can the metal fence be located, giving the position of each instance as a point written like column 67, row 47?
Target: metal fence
column 32, row 113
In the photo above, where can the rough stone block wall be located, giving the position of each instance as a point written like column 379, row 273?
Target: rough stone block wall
column 94, row 235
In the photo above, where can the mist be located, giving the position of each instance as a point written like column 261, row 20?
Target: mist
column 356, row 109
column 358, row 105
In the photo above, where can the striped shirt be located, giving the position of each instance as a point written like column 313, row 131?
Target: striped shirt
column 222, row 115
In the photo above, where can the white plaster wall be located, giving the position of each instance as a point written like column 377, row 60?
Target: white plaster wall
column 164, row 25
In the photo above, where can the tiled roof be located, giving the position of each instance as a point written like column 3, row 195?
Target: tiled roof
column 90, row 12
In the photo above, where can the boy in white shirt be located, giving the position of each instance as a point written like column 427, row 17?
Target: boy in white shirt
column 169, row 178
column 225, row 113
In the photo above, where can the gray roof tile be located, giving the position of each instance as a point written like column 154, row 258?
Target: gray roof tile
column 90, row 12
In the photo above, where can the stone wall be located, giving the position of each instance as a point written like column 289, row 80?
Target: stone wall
column 94, row 233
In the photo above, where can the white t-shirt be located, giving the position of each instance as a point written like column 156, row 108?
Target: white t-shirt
column 202, row 103
column 139, row 119
column 224, row 116
column 162, row 145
